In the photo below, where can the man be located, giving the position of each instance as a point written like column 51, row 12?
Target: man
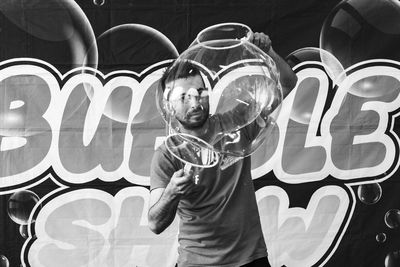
column 219, row 220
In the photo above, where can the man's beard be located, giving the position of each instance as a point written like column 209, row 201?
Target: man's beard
column 194, row 125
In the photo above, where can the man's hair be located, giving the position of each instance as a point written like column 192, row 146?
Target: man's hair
column 180, row 69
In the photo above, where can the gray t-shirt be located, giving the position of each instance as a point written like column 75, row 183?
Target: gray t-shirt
column 219, row 220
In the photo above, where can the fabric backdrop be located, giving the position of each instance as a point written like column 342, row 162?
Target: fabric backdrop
column 79, row 125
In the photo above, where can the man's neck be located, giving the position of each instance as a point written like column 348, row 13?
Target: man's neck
column 207, row 132
column 199, row 132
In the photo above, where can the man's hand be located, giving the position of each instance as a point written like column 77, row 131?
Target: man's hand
column 181, row 183
column 261, row 40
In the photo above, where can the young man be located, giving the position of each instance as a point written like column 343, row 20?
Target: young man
column 219, row 220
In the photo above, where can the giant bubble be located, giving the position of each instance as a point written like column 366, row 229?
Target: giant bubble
column 358, row 30
column 223, row 90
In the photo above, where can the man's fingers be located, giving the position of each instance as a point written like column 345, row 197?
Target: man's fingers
column 187, row 188
column 179, row 173
column 256, row 39
column 261, row 40
column 186, row 179
column 184, row 188
column 182, row 182
column 181, row 177
column 250, row 37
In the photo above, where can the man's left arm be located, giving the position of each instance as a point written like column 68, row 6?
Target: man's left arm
column 288, row 78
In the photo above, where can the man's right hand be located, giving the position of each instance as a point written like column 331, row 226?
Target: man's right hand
column 181, row 183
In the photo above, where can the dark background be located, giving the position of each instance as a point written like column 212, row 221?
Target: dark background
column 291, row 25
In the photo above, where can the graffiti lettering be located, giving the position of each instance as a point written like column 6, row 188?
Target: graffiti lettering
column 354, row 140
column 89, row 227
column 61, row 128
column 114, row 229
column 297, row 236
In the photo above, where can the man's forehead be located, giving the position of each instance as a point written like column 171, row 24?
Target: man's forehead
column 177, row 91
column 192, row 81
column 183, row 85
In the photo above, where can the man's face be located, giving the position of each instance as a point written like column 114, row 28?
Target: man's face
column 189, row 100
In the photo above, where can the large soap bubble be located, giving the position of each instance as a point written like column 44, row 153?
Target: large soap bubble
column 358, row 30
column 225, row 91
column 56, row 31
column 331, row 64
column 20, row 206
column 131, row 47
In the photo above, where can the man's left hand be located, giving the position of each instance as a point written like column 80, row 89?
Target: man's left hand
column 261, row 40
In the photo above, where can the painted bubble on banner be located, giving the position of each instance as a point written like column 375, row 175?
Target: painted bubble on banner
column 369, row 193
column 392, row 218
column 392, row 259
column 4, row 261
column 375, row 86
column 354, row 31
column 332, row 66
column 380, row 238
column 233, row 92
column 131, row 47
column 20, row 205
column 48, row 26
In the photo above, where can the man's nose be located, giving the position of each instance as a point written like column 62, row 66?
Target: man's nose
column 193, row 97
column 194, row 100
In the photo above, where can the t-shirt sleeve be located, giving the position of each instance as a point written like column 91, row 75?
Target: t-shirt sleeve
column 161, row 169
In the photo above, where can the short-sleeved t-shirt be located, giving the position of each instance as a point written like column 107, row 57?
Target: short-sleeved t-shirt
column 219, row 219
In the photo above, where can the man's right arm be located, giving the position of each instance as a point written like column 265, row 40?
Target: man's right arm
column 164, row 201
column 162, row 210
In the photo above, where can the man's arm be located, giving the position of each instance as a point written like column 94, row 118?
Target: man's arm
column 288, row 78
column 162, row 210
column 164, row 201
